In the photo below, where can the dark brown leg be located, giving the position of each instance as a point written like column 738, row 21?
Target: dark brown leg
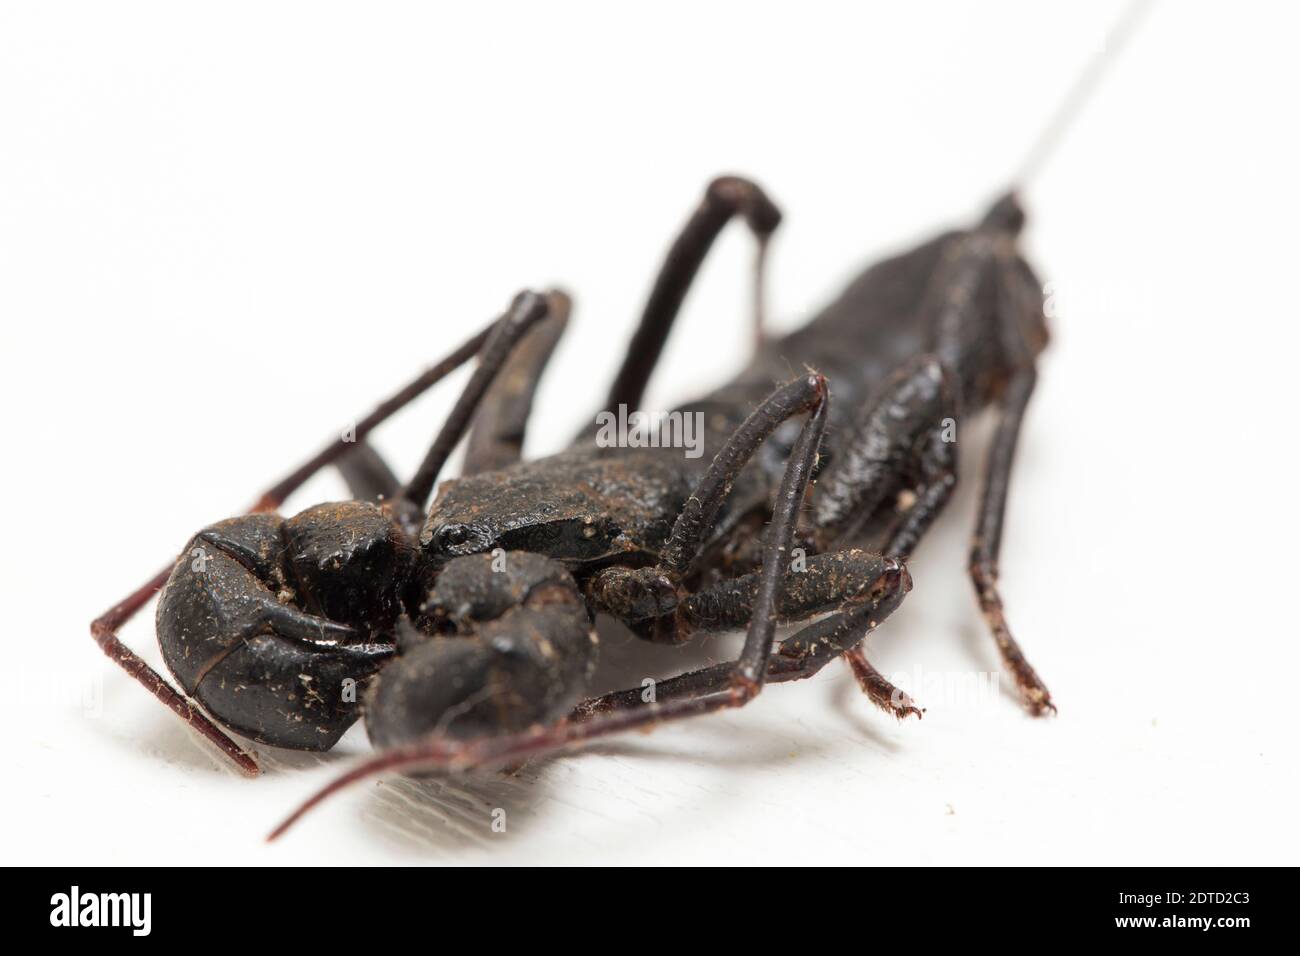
column 988, row 539
column 879, row 457
column 104, row 628
column 759, row 294
column 709, row 680
column 367, row 475
column 726, row 196
column 644, row 594
column 526, row 309
column 880, row 691
column 829, row 581
column 936, row 480
column 863, row 589
column 496, row 438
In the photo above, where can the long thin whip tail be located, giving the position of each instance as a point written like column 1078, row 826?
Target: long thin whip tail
column 1101, row 61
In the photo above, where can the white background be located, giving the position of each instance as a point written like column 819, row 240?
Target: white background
column 225, row 233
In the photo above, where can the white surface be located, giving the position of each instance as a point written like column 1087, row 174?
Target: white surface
column 225, row 234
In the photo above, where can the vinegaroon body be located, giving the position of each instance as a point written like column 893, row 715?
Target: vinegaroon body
column 464, row 633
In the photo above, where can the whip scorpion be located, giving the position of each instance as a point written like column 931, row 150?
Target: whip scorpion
column 462, row 631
